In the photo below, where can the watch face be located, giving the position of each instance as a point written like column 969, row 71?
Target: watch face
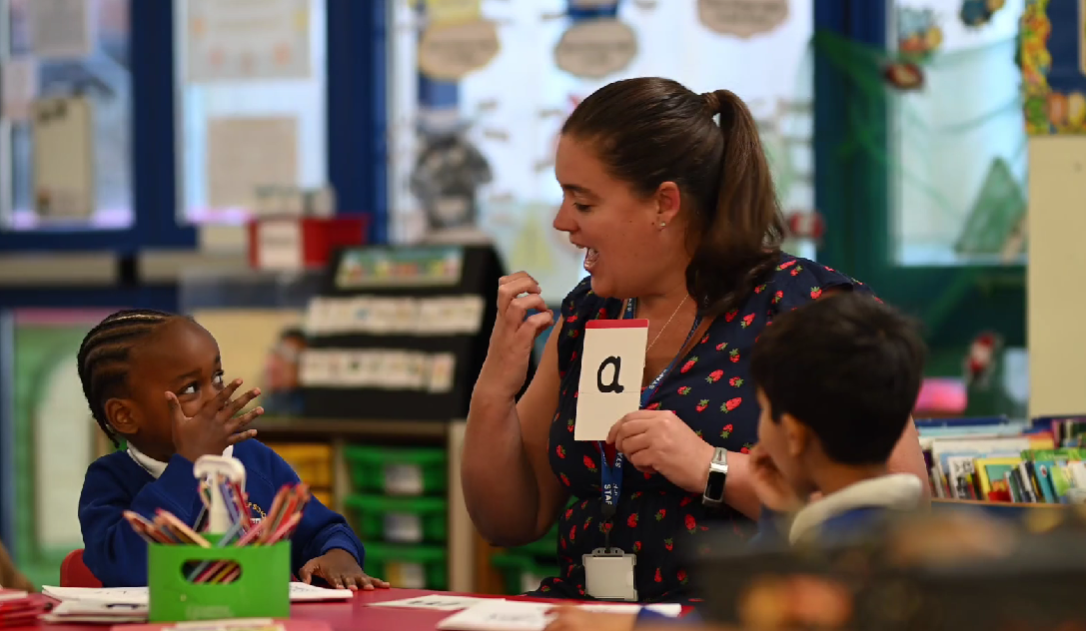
column 714, row 490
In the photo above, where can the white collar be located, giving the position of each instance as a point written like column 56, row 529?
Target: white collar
column 898, row 491
column 156, row 467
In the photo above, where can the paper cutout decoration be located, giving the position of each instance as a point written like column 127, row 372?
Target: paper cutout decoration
column 446, row 179
column 241, row 39
column 979, row 12
column 594, row 49
column 918, row 34
column 457, row 40
column 743, row 18
column 20, row 87
column 996, row 214
column 63, row 136
column 1053, row 62
column 246, row 154
column 612, row 364
column 904, row 76
column 61, row 29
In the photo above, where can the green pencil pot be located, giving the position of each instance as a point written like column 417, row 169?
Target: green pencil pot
column 262, row 590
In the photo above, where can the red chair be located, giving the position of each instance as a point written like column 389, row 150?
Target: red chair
column 74, row 573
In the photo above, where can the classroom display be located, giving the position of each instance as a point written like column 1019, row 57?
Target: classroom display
column 395, row 334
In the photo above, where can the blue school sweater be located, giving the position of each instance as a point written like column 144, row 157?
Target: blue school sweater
column 116, row 483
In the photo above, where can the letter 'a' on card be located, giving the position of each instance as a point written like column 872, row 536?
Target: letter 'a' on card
column 612, row 365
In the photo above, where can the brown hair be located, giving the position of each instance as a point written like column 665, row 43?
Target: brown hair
column 648, row 131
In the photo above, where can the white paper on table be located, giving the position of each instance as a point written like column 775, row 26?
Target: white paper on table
column 61, row 29
column 440, row 602
column 299, row 592
column 246, row 153
column 20, row 87
column 246, row 39
column 509, row 615
column 612, row 365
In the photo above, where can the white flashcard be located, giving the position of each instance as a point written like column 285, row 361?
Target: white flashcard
column 339, row 315
column 354, row 372
column 361, row 314
column 612, row 364
column 442, row 372
column 429, row 316
column 418, row 371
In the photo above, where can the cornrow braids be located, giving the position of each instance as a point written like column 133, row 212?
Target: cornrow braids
column 103, row 358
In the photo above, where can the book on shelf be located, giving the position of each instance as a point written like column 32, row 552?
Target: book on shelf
column 1042, row 461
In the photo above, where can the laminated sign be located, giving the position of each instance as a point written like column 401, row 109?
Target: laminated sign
column 593, row 49
column 743, row 18
column 457, row 41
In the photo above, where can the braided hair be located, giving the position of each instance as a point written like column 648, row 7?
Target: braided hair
column 103, row 358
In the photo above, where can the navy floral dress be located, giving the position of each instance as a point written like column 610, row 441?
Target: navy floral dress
column 710, row 390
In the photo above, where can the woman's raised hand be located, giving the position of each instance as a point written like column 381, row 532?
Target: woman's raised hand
column 514, row 334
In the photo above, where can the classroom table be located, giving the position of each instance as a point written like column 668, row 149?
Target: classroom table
column 352, row 615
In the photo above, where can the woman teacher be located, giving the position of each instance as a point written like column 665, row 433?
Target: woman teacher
column 681, row 226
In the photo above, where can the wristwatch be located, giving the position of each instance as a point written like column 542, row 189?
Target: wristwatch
column 718, row 471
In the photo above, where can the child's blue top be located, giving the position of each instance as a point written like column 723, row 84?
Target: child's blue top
column 115, row 483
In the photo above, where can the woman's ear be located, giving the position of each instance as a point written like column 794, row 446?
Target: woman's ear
column 121, row 414
column 668, row 203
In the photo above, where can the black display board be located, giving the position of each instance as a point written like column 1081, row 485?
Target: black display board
column 387, row 295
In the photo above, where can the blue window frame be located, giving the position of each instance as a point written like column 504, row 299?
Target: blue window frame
column 853, row 192
column 357, row 61
column 153, row 195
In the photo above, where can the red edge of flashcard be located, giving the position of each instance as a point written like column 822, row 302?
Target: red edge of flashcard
column 617, row 324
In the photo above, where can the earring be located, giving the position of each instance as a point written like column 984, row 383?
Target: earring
column 663, row 223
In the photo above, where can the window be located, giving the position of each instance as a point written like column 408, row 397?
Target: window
column 514, row 106
column 958, row 145
column 99, row 72
column 235, row 132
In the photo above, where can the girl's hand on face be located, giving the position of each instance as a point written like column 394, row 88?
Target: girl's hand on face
column 215, row 426
column 514, row 333
column 658, row 441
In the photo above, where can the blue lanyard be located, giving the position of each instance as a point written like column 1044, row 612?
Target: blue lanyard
column 612, row 475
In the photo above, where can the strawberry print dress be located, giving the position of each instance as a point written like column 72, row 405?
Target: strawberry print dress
column 710, row 390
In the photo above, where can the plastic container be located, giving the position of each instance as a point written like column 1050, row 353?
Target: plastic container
column 404, row 472
column 522, row 572
column 311, row 461
column 400, row 519
column 261, row 591
column 409, row 567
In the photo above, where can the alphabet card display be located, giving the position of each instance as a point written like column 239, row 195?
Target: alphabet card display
column 612, row 364
column 399, row 333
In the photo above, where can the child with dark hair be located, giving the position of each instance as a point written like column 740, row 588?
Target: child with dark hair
column 156, row 380
column 837, row 380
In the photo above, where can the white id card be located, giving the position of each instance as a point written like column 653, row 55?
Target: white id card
column 609, row 574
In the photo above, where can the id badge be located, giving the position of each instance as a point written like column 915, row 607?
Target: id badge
column 609, row 574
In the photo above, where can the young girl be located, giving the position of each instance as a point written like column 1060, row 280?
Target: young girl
column 156, row 380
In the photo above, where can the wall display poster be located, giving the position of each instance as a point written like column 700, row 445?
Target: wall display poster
column 246, row 154
column 247, row 39
column 19, row 88
column 593, row 49
column 388, row 267
column 63, row 135
column 457, row 40
column 61, row 29
column 743, row 18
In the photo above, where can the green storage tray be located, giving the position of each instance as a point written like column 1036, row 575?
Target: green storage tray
column 261, row 591
column 398, row 471
column 400, row 519
column 522, row 573
column 409, row 567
